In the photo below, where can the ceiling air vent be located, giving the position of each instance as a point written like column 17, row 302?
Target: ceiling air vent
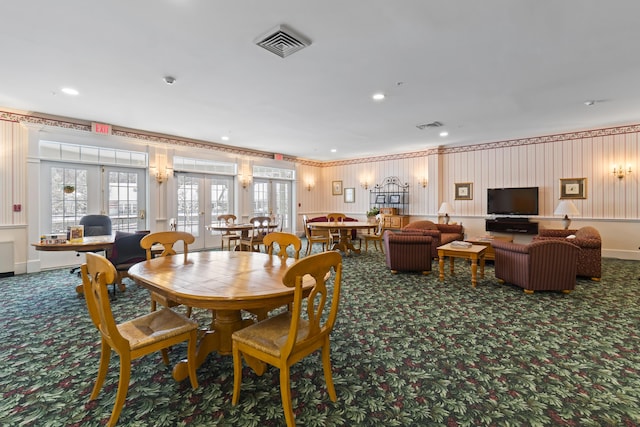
column 282, row 41
column 429, row 125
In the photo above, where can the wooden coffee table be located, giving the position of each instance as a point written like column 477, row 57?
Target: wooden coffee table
column 475, row 253
column 486, row 241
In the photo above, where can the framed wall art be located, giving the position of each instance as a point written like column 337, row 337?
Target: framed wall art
column 380, row 198
column 464, row 191
column 336, row 188
column 394, row 198
column 350, row 195
column 573, row 188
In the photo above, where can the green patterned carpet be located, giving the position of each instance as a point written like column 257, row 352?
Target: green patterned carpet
column 408, row 350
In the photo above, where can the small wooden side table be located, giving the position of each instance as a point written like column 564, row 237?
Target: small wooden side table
column 486, row 241
column 475, row 253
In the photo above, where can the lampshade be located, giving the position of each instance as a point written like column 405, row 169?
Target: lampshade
column 566, row 207
column 446, row 208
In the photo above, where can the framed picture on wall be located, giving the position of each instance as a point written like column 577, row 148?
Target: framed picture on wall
column 380, row 198
column 350, row 195
column 464, row 191
column 394, row 198
column 336, row 188
column 573, row 188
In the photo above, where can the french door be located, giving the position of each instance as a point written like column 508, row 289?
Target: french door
column 75, row 190
column 200, row 199
column 272, row 197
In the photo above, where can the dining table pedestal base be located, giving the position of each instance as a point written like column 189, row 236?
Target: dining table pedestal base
column 217, row 338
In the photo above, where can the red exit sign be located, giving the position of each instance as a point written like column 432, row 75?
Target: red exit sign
column 101, row 128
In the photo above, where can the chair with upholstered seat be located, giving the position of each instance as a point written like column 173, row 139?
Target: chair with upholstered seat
column 125, row 252
column 256, row 235
column 94, row 225
column 228, row 236
column 132, row 339
column 287, row 338
column 167, row 239
column 590, row 243
column 538, row 266
column 313, row 235
column 407, row 251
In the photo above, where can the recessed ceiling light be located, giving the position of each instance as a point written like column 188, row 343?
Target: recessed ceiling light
column 69, row 91
column 589, row 103
column 225, row 138
column 444, row 133
column 378, row 96
column 333, row 150
column 169, row 80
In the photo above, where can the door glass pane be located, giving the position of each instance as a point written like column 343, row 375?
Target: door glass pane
column 188, row 204
column 220, row 198
column 123, row 200
column 260, row 198
column 282, row 196
column 69, row 197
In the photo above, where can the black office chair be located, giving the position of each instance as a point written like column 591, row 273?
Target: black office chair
column 126, row 251
column 94, row 225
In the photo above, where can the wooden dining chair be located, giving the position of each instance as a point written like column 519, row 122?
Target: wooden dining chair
column 256, row 235
column 287, row 338
column 376, row 236
column 284, row 241
column 228, row 236
column 336, row 217
column 134, row 338
column 167, row 239
column 322, row 236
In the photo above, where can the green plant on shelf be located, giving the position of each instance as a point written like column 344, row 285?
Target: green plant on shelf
column 373, row 211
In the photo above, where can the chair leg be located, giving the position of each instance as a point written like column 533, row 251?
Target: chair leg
column 165, row 356
column 237, row 374
column 326, row 366
column 123, row 387
column 105, row 355
column 285, row 392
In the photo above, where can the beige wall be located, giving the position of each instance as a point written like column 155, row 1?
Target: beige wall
column 612, row 205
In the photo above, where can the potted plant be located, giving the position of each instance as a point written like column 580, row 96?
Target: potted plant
column 371, row 213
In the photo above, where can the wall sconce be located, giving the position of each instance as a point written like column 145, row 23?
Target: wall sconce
column 364, row 185
column 245, row 180
column 309, row 186
column 423, row 182
column 620, row 172
column 160, row 175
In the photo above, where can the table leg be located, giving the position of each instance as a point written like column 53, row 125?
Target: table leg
column 441, row 265
column 474, row 270
column 482, row 266
column 451, row 264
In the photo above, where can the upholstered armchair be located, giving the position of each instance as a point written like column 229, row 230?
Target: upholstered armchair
column 539, row 266
column 441, row 234
column 407, row 251
column 588, row 240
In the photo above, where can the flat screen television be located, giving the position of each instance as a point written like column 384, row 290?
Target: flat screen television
column 512, row 201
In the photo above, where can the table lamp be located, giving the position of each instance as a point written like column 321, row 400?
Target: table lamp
column 446, row 209
column 566, row 208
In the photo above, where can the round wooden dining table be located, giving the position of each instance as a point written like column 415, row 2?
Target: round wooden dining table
column 224, row 281
column 344, row 243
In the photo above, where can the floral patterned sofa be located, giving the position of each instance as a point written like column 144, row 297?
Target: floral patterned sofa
column 590, row 244
column 440, row 234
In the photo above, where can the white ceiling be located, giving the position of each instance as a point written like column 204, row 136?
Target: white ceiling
column 489, row 70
